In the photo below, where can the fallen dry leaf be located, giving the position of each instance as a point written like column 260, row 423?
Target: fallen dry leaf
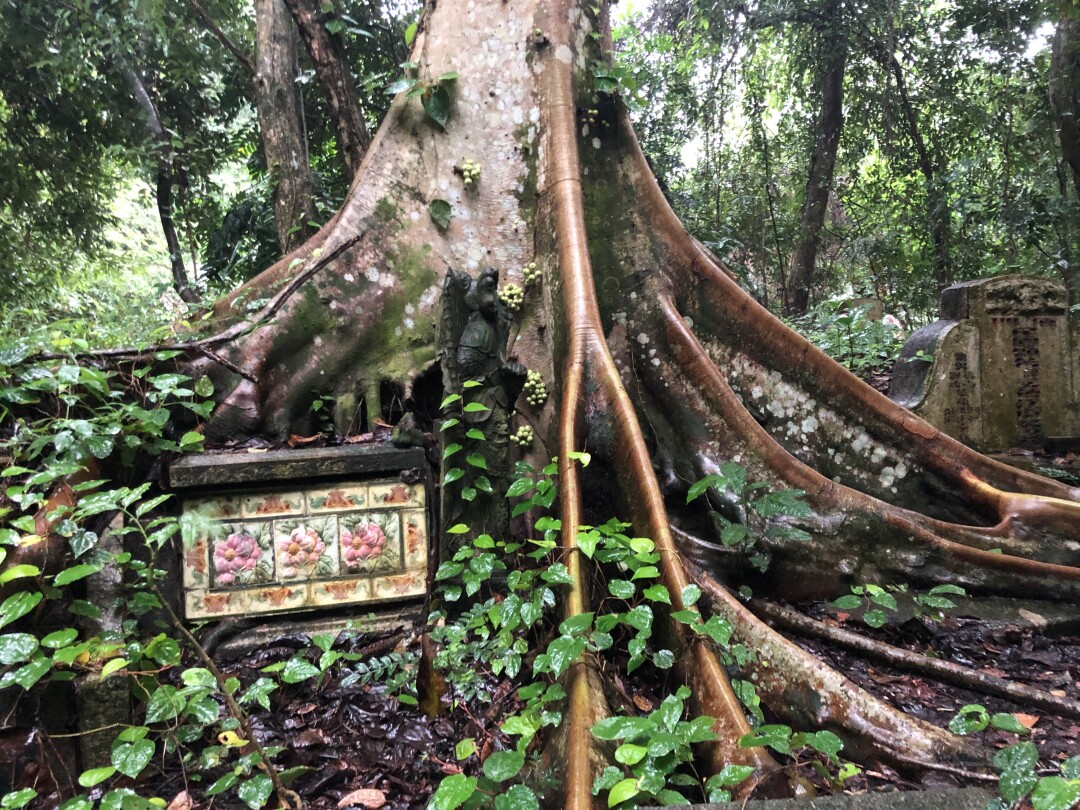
column 1026, row 720
column 365, row 797
column 1035, row 618
column 643, row 703
column 181, row 801
column 295, row 441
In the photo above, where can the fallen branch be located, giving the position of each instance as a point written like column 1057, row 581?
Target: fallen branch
column 946, row 671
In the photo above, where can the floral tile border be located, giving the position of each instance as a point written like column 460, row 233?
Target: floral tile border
column 272, row 551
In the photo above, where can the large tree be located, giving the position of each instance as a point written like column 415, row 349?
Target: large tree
column 660, row 365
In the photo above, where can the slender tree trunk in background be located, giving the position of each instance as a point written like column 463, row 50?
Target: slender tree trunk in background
column 281, row 123
column 820, row 177
column 163, row 185
column 657, row 363
column 332, row 70
column 936, row 209
column 1065, row 99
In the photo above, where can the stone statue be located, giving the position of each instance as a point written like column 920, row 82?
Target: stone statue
column 473, row 334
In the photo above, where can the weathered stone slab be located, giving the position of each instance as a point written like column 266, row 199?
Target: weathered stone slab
column 1004, row 368
column 320, row 535
column 214, row 470
column 967, row 799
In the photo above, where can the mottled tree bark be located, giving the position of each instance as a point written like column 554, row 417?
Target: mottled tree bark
column 281, row 123
column 332, row 70
column 819, row 179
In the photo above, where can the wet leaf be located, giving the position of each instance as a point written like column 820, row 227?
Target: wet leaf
column 440, row 212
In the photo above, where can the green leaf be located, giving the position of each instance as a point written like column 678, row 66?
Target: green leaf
column 476, row 459
column 450, row 449
column 630, row 753
column 1006, row 722
column 60, row 638
column 113, row 665
column 452, row 792
column 622, row 728
column 440, row 211
column 449, row 76
column 875, row 618
column 465, row 748
column 223, row 784
column 657, row 593
column 95, row 776
column 15, row 648
column 690, row 594
column 1055, row 793
column 18, row 572
column 450, row 400
column 164, row 704
column 191, row 439
column 475, row 434
column 75, row 573
column 1021, row 756
column 410, row 33
column 131, row 758
column 401, row 86
column 475, row 407
column 517, row 797
column 848, row 602
column 255, row 792
column 298, row 669
column 30, row 674
column 579, row 623
column 1015, row 785
column 503, row 765
column 1070, row 768
column 730, row 775
column 437, row 105
column 970, row 719
column 452, row 475
column 520, row 487
column 458, row 528
column 774, row 736
column 19, row 798
column 18, row 605
column 623, row 791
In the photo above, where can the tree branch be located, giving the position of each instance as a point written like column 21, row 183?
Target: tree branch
column 221, row 37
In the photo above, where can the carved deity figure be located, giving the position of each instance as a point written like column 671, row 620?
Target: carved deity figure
column 473, row 333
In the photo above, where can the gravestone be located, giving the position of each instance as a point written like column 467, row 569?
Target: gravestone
column 287, row 530
column 1003, row 368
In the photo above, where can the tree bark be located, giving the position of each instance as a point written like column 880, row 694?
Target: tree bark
column 820, row 177
column 332, row 70
column 281, row 123
column 654, row 359
column 163, row 183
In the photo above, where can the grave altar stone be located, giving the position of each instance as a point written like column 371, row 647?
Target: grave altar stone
column 286, row 530
column 1005, row 367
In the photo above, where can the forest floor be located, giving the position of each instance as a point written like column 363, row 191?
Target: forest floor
column 362, row 747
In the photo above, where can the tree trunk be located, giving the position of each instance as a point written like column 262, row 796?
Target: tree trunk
column 820, row 177
column 655, row 360
column 936, row 208
column 164, row 179
column 332, row 70
column 1065, row 99
column 281, row 122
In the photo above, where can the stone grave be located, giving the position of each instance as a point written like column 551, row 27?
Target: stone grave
column 1003, row 367
column 287, row 530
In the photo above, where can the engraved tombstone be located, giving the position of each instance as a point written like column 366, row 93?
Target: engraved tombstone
column 1004, row 364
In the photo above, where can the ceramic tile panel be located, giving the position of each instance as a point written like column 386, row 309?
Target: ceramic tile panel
column 277, row 550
